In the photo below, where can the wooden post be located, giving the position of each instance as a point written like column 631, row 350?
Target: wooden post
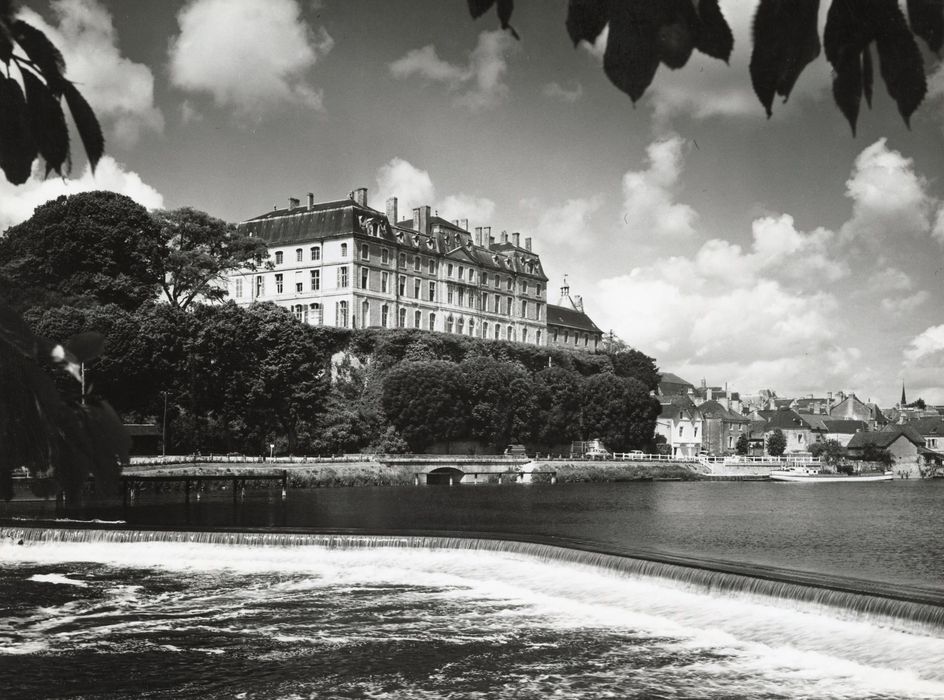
column 284, row 484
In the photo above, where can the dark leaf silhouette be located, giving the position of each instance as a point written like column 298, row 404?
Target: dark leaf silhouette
column 714, row 35
column 17, row 145
column 678, row 27
column 16, row 333
column 900, row 64
column 477, row 8
column 505, row 8
column 868, row 76
column 42, row 53
column 631, row 56
column 786, row 40
column 48, row 123
column 6, row 44
column 89, row 130
column 586, row 19
column 85, row 346
column 850, row 29
column 927, row 21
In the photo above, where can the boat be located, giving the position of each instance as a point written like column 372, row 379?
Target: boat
column 814, row 475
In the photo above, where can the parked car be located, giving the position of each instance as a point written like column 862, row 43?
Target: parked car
column 598, row 453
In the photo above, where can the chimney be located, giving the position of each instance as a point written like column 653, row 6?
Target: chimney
column 504, row 236
column 360, row 196
column 421, row 219
column 292, row 203
column 455, row 222
column 527, row 243
column 311, row 201
column 392, row 210
column 478, row 235
column 516, row 239
column 464, row 224
column 491, row 241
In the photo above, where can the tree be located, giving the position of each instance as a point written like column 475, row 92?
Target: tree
column 643, row 34
column 742, row 445
column 831, row 452
column 80, row 250
column 426, row 402
column 636, row 365
column 500, row 399
column 196, row 253
column 776, row 443
column 31, row 118
column 559, row 393
column 873, row 453
column 619, row 411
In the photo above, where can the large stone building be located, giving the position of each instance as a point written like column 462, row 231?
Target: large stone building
column 345, row 264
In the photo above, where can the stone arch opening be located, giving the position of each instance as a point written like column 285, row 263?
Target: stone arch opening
column 444, row 476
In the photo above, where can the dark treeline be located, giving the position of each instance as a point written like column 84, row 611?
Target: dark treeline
column 239, row 379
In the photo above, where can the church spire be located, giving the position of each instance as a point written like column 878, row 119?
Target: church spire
column 904, row 401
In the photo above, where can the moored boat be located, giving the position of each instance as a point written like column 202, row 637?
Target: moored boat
column 812, row 475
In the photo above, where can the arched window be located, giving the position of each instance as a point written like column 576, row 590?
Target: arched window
column 344, row 250
column 485, row 329
column 460, row 325
column 417, row 318
column 315, row 252
column 448, row 324
column 341, row 314
column 384, row 313
column 472, row 326
column 365, row 313
column 278, row 257
column 401, row 320
column 316, row 314
column 537, row 337
column 432, row 321
column 524, row 335
column 298, row 254
column 497, row 332
column 511, row 333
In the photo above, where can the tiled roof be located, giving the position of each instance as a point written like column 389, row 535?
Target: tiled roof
column 843, row 426
column 570, row 318
column 928, row 426
column 883, row 438
column 301, row 224
column 713, row 409
column 816, row 422
column 788, row 420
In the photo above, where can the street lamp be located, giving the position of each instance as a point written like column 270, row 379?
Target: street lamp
column 271, row 450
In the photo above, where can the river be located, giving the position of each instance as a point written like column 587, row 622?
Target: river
column 265, row 618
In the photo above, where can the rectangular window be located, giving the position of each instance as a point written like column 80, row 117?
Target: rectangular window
column 417, row 263
column 449, row 294
column 401, row 260
column 524, row 308
column 508, row 301
column 341, row 314
column 315, row 252
column 315, row 280
column 461, row 296
column 384, row 314
column 509, row 284
column 432, row 292
column 260, row 285
column 497, row 304
column 365, row 277
column 342, row 277
column 344, row 250
column 299, row 282
column 239, row 288
column 432, row 267
column 384, row 282
column 278, row 283
column 278, row 257
column 417, row 288
column 365, row 251
column 401, row 285
column 384, row 256
column 298, row 256
column 484, row 305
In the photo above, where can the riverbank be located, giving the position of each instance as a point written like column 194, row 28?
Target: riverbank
column 371, row 472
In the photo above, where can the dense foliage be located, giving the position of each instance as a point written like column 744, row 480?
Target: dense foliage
column 776, row 443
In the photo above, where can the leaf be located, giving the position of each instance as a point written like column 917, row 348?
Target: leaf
column 17, row 145
column 6, row 43
column 927, row 21
column 714, row 35
column 868, row 75
column 786, row 40
column 48, row 122
column 586, row 19
column 900, row 63
column 847, row 89
column 16, row 333
column 631, row 56
column 89, row 129
column 505, row 8
column 86, row 346
column 677, row 29
column 477, row 8
column 43, row 53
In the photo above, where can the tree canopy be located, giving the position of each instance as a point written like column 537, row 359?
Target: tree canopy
column 776, row 443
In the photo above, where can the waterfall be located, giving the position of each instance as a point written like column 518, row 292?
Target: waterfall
column 881, row 603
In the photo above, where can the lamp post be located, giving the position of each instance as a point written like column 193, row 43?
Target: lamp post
column 271, row 450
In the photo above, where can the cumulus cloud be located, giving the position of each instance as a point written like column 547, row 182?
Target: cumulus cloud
column 568, row 225
column 892, row 279
column 251, row 55
column 905, row 305
column 18, row 203
column 479, row 85
column 120, row 91
column 556, row 91
column 413, row 187
column 924, row 364
column 889, row 197
column 649, row 209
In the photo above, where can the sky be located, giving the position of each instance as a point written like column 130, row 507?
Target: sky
column 779, row 253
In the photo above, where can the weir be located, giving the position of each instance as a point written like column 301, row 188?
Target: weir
column 883, row 603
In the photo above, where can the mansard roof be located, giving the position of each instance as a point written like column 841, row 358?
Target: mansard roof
column 301, row 224
column 570, row 318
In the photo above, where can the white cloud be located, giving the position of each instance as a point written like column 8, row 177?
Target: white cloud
column 924, row 364
column 556, row 91
column 252, row 55
column 17, row 203
column 120, row 91
column 649, row 211
column 479, row 84
column 889, row 198
column 189, row 113
column 905, row 305
column 892, row 279
column 413, row 187
column 568, row 225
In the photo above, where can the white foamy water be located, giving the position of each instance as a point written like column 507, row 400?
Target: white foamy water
column 470, row 623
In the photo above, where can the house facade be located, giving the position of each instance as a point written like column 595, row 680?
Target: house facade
column 345, row 264
column 681, row 426
column 568, row 326
column 798, row 430
column 903, row 443
column 722, row 428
